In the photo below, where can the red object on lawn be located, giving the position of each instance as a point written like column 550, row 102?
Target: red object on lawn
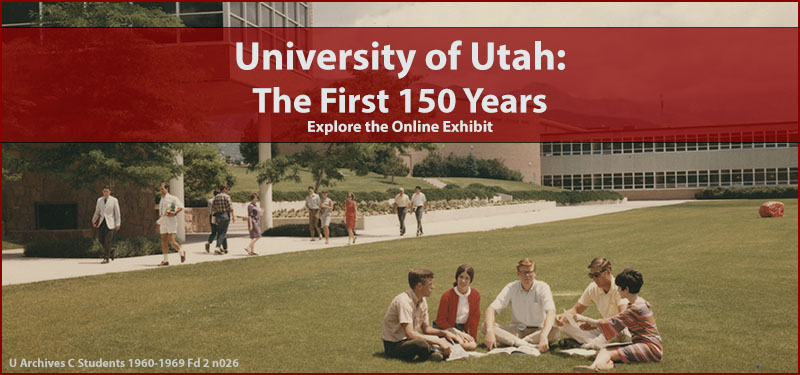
column 771, row 209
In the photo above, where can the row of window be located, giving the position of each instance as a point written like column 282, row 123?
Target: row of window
column 674, row 179
column 195, row 14
column 609, row 148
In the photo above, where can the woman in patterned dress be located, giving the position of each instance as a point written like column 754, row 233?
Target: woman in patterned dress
column 638, row 318
column 253, row 217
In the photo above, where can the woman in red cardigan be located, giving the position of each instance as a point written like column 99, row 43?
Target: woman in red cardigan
column 460, row 308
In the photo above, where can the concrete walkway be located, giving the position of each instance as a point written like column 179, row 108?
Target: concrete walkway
column 18, row 269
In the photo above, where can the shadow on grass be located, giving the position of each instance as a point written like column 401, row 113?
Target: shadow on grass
column 382, row 355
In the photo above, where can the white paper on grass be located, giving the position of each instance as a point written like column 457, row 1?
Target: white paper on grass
column 458, row 352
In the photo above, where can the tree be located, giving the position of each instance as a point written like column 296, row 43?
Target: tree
column 104, row 14
column 84, row 165
column 471, row 166
column 249, row 151
column 205, row 170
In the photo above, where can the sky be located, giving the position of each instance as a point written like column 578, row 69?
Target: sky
column 342, row 14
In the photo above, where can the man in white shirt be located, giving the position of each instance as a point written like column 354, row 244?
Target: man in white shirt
column 400, row 205
column 419, row 204
column 312, row 205
column 603, row 293
column 407, row 316
column 168, row 210
column 107, row 220
column 533, row 312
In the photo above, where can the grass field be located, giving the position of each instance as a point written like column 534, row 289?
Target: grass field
column 11, row 246
column 372, row 182
column 722, row 281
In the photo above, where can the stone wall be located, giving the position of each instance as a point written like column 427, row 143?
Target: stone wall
column 20, row 199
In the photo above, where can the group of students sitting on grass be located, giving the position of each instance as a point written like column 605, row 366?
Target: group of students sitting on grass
column 627, row 319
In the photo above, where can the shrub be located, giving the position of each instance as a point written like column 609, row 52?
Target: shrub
column 301, row 230
column 91, row 248
column 567, row 196
column 239, row 196
column 453, row 166
column 757, row 192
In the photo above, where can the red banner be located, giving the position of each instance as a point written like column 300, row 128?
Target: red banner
column 400, row 84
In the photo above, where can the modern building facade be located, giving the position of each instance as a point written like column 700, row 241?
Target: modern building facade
column 197, row 14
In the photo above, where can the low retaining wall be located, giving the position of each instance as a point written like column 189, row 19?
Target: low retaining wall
column 660, row 194
column 596, row 203
column 459, row 214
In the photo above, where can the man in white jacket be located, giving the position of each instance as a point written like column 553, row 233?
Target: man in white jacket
column 107, row 220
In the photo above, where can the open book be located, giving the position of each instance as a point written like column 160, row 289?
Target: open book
column 517, row 350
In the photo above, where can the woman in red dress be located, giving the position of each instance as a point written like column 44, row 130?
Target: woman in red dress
column 350, row 212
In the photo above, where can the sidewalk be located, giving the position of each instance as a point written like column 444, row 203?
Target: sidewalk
column 18, row 269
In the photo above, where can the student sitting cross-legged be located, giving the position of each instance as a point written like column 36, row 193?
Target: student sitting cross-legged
column 407, row 316
column 460, row 308
column 638, row 318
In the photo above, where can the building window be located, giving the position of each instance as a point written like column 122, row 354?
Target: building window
column 747, row 177
column 670, row 180
column 691, row 179
column 661, row 181
column 608, row 181
column 638, row 180
column 725, row 177
column 736, row 177
column 783, row 176
column 19, row 14
column 702, row 178
column 547, row 149
column 649, row 180
column 793, row 176
column 771, row 176
column 680, row 179
column 547, row 180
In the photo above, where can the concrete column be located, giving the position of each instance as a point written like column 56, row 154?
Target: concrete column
column 176, row 189
column 265, row 190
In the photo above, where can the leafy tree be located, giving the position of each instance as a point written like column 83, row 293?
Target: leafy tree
column 249, row 151
column 103, row 14
column 471, row 166
column 205, row 170
column 84, row 165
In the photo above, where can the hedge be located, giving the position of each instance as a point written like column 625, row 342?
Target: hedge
column 301, row 230
column 91, row 248
column 468, row 166
column 760, row 192
column 472, row 191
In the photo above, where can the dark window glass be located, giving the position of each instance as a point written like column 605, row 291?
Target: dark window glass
column 203, row 20
column 566, row 148
column 547, row 181
column 713, row 178
column 618, row 181
column 607, row 148
column 166, row 7
column 772, row 176
column 702, row 178
column 736, row 177
column 793, row 176
column 200, row 7
column 638, row 180
column 567, row 182
column 547, row 149
column 747, row 177
column 557, row 181
column 638, row 147
column 783, row 176
column 670, row 180
column 608, row 182
column 19, row 12
column 649, row 180
column 660, row 180
column 725, row 177
column 628, row 180
column 597, row 181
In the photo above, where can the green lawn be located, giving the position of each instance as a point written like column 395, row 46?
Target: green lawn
column 722, row 281
column 372, row 182
column 11, row 246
